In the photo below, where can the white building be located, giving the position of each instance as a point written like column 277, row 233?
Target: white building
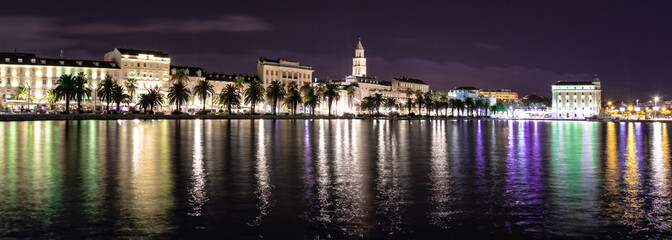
column 40, row 74
column 577, row 99
column 270, row 70
column 148, row 68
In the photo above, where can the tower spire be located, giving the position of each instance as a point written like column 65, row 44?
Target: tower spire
column 359, row 61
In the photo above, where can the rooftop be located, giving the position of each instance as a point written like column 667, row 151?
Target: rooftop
column 32, row 59
column 564, row 83
column 191, row 71
column 466, row 88
column 138, row 52
column 228, row 77
column 410, row 80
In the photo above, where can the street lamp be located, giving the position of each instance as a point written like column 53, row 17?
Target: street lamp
column 28, row 98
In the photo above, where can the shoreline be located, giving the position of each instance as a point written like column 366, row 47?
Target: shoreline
column 88, row 116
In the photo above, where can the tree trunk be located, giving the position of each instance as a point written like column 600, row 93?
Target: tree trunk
column 330, row 106
column 67, row 103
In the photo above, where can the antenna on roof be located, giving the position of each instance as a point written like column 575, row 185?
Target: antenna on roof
column 61, row 55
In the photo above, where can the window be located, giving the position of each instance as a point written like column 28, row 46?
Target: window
column 145, row 65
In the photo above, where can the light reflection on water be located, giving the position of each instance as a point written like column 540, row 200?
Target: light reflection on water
column 334, row 178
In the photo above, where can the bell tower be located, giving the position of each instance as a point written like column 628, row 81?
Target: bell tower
column 359, row 61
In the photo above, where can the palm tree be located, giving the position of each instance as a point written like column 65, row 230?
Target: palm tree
column 105, row 90
column 178, row 94
column 429, row 101
column 331, row 93
column 351, row 95
column 485, row 104
column 118, row 96
column 444, row 102
column 453, row 103
column 180, row 76
column 81, row 89
column 203, row 89
column 22, row 94
column 229, row 97
column 420, row 101
column 367, row 104
column 51, row 96
column 239, row 82
column 306, row 87
column 274, row 93
column 65, row 89
column 156, row 98
column 311, row 100
column 131, row 87
column 390, row 103
column 145, row 101
column 409, row 101
column 469, row 103
column 377, row 101
column 293, row 100
column 254, row 94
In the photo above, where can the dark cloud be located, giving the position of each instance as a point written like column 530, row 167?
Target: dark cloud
column 50, row 32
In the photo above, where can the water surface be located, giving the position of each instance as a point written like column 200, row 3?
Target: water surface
column 315, row 179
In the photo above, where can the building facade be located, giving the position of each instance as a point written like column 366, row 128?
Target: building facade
column 39, row 75
column 505, row 95
column 401, row 84
column 149, row 68
column 270, row 70
column 577, row 100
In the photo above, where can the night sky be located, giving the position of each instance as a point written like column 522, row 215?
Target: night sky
column 520, row 45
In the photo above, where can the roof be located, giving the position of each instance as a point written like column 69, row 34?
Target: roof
column 283, row 63
column 192, row 71
column 138, row 52
column 498, row 90
column 466, row 88
column 410, row 80
column 359, row 45
column 32, row 59
column 228, row 77
column 572, row 83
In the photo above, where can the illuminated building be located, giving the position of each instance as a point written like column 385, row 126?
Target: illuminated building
column 577, row 99
column 148, row 68
column 401, row 84
column 466, row 92
column 270, row 70
column 40, row 74
column 502, row 94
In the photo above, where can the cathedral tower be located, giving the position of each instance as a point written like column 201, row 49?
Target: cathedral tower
column 359, row 61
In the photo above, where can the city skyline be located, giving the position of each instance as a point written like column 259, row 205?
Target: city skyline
column 525, row 48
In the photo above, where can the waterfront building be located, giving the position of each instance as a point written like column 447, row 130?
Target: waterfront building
column 504, row 95
column 466, row 92
column 401, row 84
column 149, row 68
column 284, row 71
column 38, row 75
column 577, row 99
